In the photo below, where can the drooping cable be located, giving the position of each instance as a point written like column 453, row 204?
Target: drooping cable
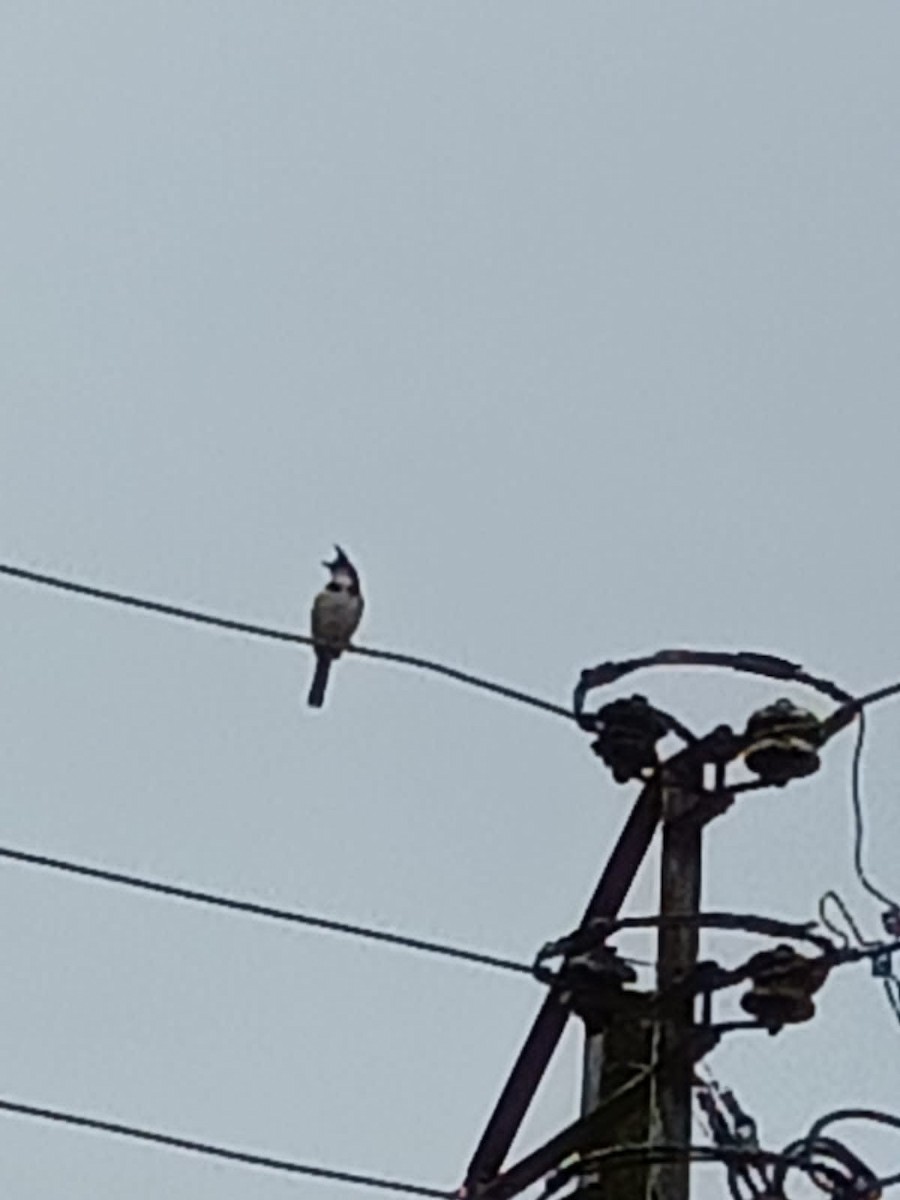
column 193, row 1146
column 281, row 635
column 255, row 909
column 879, row 953
column 859, row 821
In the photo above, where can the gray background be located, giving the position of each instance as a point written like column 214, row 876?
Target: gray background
column 577, row 325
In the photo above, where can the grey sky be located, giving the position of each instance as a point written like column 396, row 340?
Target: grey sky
column 577, row 325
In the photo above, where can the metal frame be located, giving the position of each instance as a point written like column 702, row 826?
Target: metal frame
column 483, row 1176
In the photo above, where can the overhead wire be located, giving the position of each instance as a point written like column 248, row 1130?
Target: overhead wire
column 281, row 635
column 850, row 708
column 855, row 707
column 834, row 898
column 858, row 819
column 890, row 982
column 209, row 1149
column 267, row 911
column 853, row 1114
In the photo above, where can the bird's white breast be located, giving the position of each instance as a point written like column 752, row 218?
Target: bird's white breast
column 335, row 616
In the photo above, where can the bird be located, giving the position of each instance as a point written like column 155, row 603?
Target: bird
column 336, row 612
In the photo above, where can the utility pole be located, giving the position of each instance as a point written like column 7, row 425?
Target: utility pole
column 633, row 1139
column 677, row 948
column 612, row 1060
column 615, row 1055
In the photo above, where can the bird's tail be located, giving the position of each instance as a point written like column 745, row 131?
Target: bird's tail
column 320, row 679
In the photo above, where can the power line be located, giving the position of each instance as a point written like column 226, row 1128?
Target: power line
column 848, row 710
column 279, row 635
column 858, row 821
column 853, row 1114
column 890, row 982
column 252, row 908
column 213, row 1151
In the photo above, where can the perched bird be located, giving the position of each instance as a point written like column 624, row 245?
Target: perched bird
column 335, row 615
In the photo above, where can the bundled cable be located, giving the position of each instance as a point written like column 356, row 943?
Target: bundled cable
column 832, row 1176
column 732, row 1128
column 873, row 1116
column 830, row 1165
column 824, row 1160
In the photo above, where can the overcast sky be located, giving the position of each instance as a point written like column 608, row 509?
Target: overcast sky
column 577, row 325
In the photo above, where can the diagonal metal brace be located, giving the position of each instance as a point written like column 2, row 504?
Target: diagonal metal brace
column 546, row 1032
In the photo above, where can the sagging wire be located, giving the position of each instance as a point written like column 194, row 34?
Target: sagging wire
column 882, row 965
column 227, row 1153
column 849, row 920
column 880, row 954
column 250, row 629
column 254, row 908
column 859, row 825
column 828, row 1163
column 860, row 1114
